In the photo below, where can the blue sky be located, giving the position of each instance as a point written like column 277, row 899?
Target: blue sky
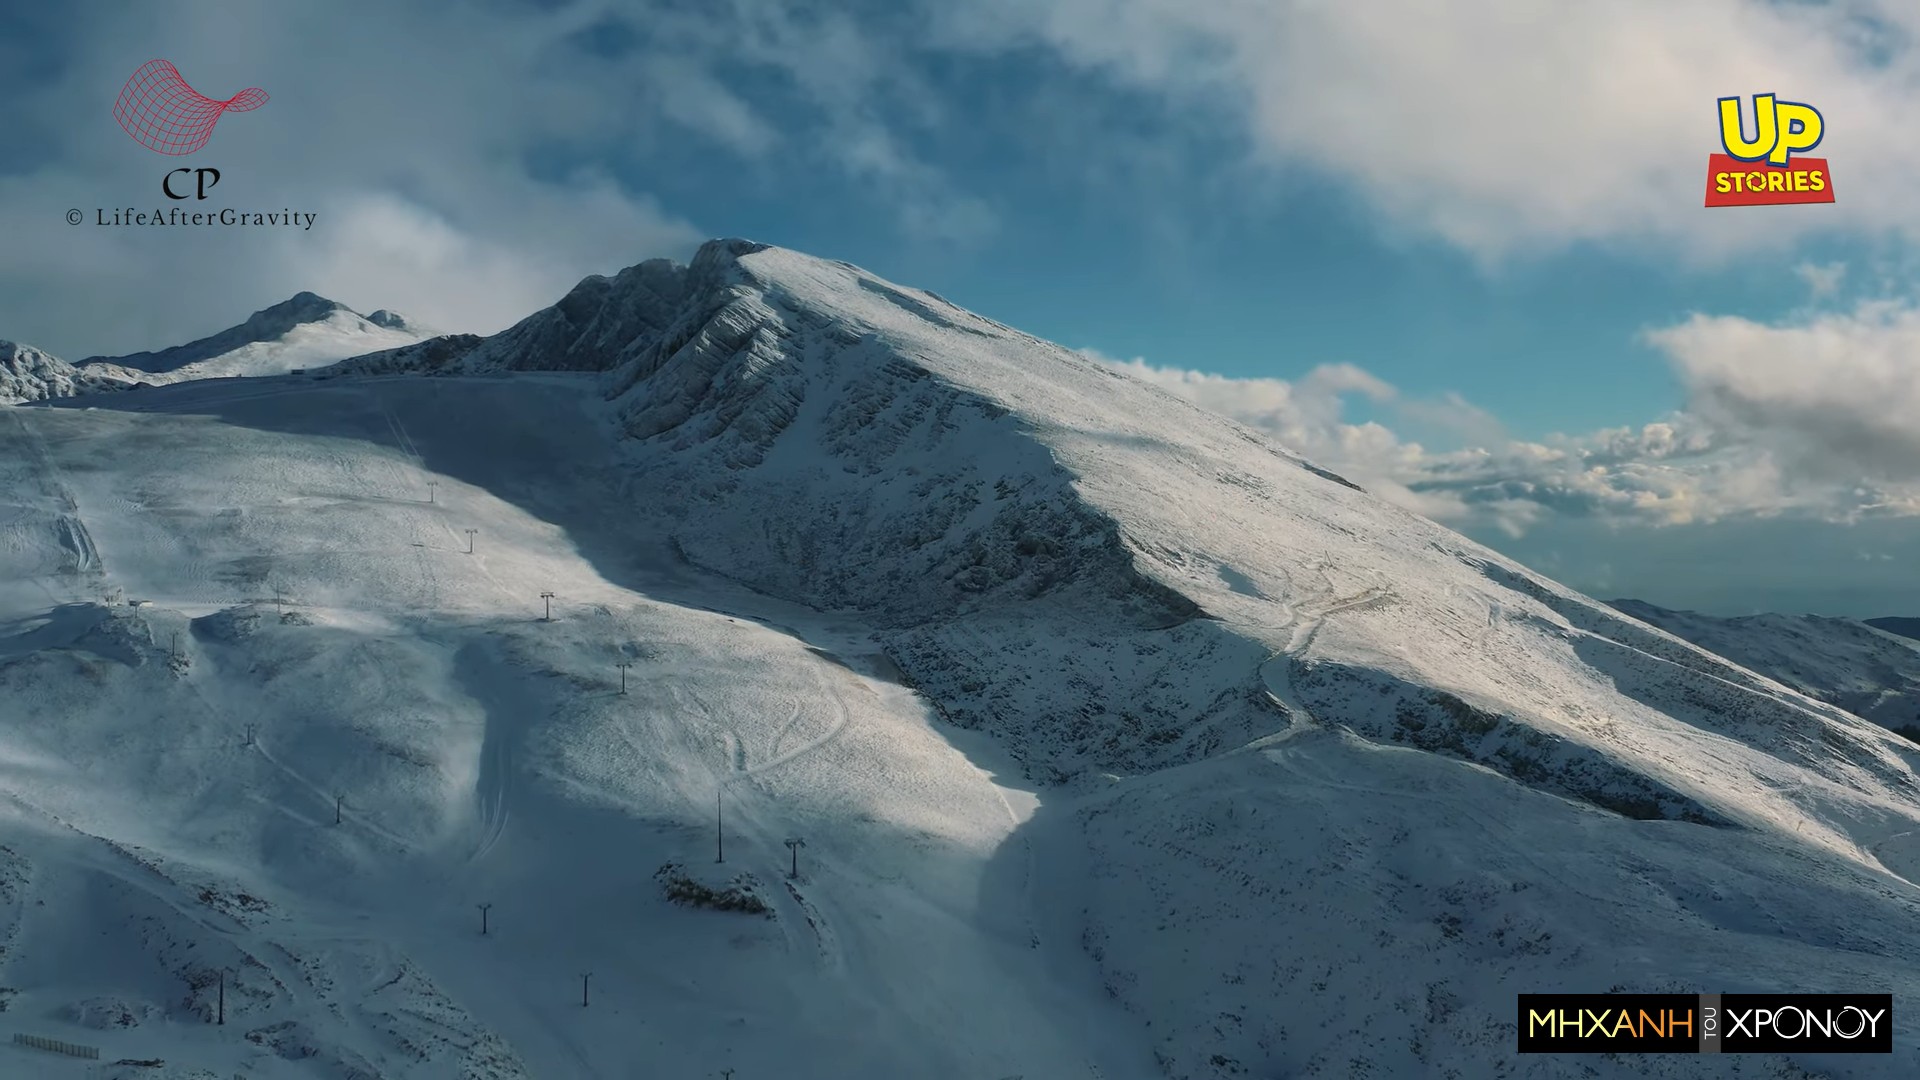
column 1458, row 254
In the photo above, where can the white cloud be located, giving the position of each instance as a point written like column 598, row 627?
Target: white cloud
column 1456, row 416
column 417, row 170
column 1308, row 415
column 689, row 96
column 1833, row 394
column 1305, row 414
column 1823, row 279
column 383, row 250
column 1508, row 127
column 842, row 77
column 438, row 148
column 1806, row 420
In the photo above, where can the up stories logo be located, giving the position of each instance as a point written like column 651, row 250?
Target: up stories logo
column 1763, row 171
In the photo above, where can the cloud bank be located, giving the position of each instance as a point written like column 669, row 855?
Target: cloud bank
column 516, row 137
column 1508, row 127
column 1808, row 418
column 469, row 162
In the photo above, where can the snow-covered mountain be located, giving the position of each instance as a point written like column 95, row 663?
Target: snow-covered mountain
column 28, row 374
column 306, row 331
column 1854, row 664
column 588, row 330
column 1904, row 626
column 1123, row 742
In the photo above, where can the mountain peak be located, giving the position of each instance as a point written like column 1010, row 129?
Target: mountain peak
column 301, row 307
column 602, row 321
column 727, row 249
column 268, row 326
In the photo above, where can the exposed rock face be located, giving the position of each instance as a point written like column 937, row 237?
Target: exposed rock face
column 28, row 374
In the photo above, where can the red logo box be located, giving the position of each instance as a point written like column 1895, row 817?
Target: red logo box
column 1731, row 182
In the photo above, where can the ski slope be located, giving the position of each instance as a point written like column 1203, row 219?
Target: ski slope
column 486, row 756
column 1124, row 743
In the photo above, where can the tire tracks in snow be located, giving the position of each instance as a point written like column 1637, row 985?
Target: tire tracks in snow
column 838, row 728
column 793, row 718
column 792, row 906
column 1303, row 625
column 70, row 530
column 747, row 816
column 124, row 865
column 260, row 747
column 496, row 761
column 430, row 590
column 402, row 440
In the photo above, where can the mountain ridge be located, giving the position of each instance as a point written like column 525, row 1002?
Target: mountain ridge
column 1282, row 779
column 303, row 331
column 1854, row 664
column 28, row 374
column 1903, row 626
column 713, row 364
column 267, row 324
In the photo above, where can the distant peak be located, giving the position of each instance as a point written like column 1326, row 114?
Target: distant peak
column 301, row 307
column 273, row 322
column 392, row 320
column 727, row 249
column 269, row 324
column 718, row 261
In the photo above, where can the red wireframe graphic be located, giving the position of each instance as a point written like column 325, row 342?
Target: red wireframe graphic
column 167, row 116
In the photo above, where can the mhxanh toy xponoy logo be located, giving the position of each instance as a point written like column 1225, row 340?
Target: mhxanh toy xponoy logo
column 1762, row 170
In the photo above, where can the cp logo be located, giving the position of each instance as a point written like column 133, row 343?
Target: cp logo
column 167, row 116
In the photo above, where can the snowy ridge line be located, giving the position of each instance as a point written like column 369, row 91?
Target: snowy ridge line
column 303, row 333
column 1840, row 663
column 788, row 312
